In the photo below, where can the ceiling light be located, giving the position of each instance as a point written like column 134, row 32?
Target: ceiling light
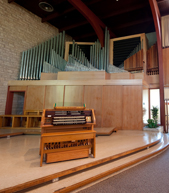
column 46, row 6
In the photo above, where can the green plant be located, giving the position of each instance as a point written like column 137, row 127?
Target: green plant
column 152, row 123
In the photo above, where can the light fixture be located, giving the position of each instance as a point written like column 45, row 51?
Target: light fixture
column 46, row 6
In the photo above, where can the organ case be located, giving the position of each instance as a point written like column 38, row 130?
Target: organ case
column 67, row 133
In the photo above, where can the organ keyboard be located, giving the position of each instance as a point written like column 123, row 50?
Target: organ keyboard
column 67, row 133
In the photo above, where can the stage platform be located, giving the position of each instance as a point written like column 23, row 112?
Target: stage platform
column 20, row 160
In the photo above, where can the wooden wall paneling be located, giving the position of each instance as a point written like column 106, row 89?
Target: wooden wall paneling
column 73, row 96
column 130, row 62
column 107, row 76
column 17, row 88
column 155, row 55
column 126, row 64
column 111, row 51
column 112, row 106
column 166, row 66
column 48, row 76
column 134, row 61
column 93, row 99
column 132, row 108
column 138, row 75
column 54, row 94
column 139, row 58
column 122, row 75
column 81, row 75
column 75, row 82
column 148, row 59
column 35, row 98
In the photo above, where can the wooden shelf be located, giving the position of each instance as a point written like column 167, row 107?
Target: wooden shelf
column 20, row 121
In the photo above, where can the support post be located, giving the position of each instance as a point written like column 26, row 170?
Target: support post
column 157, row 23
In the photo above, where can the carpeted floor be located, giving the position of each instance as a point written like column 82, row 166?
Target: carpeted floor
column 151, row 176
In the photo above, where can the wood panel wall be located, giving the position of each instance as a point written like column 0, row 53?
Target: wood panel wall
column 115, row 105
column 166, row 66
column 132, row 108
column 35, row 98
column 112, row 106
column 82, row 75
column 93, row 99
column 53, row 94
column 74, row 96
column 135, row 62
column 152, row 57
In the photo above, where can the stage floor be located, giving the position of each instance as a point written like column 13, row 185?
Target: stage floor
column 20, row 160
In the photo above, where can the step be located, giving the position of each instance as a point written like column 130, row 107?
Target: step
column 108, row 148
column 83, row 178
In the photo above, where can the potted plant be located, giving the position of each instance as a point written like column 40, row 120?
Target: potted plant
column 152, row 123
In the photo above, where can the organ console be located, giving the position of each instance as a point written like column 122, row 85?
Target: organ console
column 67, row 133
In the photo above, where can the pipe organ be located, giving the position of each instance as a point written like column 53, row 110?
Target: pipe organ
column 67, row 133
column 99, row 57
column 49, row 57
column 43, row 58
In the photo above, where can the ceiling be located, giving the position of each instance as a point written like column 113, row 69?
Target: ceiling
column 122, row 17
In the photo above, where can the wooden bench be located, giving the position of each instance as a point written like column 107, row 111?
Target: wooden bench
column 67, row 153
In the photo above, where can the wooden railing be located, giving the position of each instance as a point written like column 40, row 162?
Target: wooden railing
column 153, row 71
column 134, row 62
column 152, row 61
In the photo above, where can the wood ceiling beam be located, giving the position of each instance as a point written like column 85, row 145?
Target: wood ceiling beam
column 84, row 36
column 157, row 22
column 57, row 14
column 10, row 1
column 68, row 27
column 95, row 22
column 59, row 1
column 124, row 10
column 132, row 23
column 161, row 1
column 113, row 13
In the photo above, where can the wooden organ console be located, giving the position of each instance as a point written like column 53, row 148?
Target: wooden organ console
column 67, row 133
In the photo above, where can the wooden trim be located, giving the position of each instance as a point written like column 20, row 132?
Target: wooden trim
column 111, row 51
column 127, row 37
column 106, row 133
column 67, row 46
column 11, row 134
column 72, row 170
column 109, row 172
column 10, row 1
column 76, row 82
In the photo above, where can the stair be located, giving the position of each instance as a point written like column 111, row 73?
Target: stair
column 101, row 171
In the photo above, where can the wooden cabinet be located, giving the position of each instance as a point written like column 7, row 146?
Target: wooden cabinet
column 67, row 133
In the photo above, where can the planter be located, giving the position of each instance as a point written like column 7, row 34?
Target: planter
column 158, row 129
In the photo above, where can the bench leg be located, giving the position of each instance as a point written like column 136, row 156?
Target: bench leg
column 41, row 159
column 93, row 150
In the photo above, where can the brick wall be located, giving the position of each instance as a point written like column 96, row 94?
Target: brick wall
column 19, row 31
